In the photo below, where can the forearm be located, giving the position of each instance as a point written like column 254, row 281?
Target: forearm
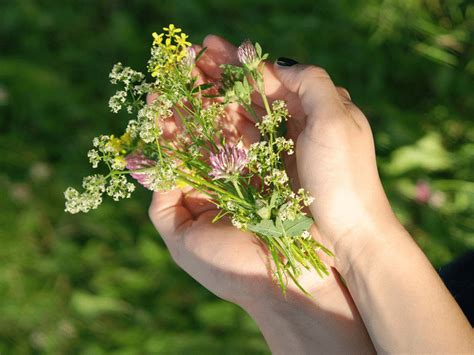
column 404, row 304
column 327, row 324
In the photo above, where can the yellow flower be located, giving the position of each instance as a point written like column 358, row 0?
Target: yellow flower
column 158, row 38
column 168, row 45
column 181, row 40
column 155, row 71
column 171, row 30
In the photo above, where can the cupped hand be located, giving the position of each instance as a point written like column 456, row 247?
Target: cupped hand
column 229, row 262
column 234, row 265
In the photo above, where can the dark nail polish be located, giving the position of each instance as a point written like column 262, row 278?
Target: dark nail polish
column 286, row 62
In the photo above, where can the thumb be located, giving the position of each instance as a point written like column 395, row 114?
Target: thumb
column 315, row 89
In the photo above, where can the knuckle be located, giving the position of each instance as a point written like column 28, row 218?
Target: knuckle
column 343, row 92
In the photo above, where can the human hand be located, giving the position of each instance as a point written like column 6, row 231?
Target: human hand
column 234, row 266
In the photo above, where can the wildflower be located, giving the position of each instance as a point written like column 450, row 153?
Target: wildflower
column 147, row 173
column 247, row 55
column 422, row 192
column 181, row 40
column 119, row 187
column 139, row 161
column 76, row 202
column 94, row 183
column 116, row 101
column 228, row 162
column 157, row 38
column 94, row 157
column 171, row 30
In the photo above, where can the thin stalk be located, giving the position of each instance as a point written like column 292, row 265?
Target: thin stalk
column 237, row 188
column 197, row 179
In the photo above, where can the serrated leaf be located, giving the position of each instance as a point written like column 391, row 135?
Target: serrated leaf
column 297, row 226
column 265, row 227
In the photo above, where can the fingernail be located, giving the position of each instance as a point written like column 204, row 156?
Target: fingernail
column 286, row 62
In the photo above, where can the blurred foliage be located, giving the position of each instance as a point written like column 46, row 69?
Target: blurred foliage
column 103, row 283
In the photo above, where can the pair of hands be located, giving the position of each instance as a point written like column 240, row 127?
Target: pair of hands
column 334, row 161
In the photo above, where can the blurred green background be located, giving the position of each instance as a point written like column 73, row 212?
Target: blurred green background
column 103, row 283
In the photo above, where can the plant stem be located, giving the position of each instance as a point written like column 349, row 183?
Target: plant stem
column 237, row 188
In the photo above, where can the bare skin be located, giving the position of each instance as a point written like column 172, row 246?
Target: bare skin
column 335, row 162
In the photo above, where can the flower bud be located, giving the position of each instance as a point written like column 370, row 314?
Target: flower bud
column 247, row 55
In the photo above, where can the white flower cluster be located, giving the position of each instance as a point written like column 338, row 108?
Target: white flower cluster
column 107, row 149
column 119, row 187
column 293, row 206
column 133, row 83
column 162, row 178
column 270, row 122
column 117, row 101
column 94, row 157
column 276, row 178
column 284, row 145
column 146, row 125
column 90, row 199
column 94, row 186
column 260, row 157
column 125, row 75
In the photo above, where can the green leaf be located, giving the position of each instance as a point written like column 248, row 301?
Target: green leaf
column 265, row 227
column 289, row 228
column 297, row 226
column 199, row 55
column 258, row 49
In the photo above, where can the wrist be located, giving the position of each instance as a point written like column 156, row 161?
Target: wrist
column 327, row 323
column 360, row 244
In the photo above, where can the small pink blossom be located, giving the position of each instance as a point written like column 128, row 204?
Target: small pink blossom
column 229, row 161
column 422, row 192
column 137, row 161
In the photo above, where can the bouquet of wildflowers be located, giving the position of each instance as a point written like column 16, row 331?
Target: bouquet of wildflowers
column 248, row 184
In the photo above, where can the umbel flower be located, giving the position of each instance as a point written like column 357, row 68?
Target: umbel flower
column 228, row 162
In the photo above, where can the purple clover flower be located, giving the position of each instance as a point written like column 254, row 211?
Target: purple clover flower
column 247, row 53
column 137, row 161
column 229, row 161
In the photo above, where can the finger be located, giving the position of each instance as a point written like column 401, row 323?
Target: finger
column 343, row 93
column 241, row 128
column 218, row 52
column 319, row 97
column 197, row 203
column 169, row 215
